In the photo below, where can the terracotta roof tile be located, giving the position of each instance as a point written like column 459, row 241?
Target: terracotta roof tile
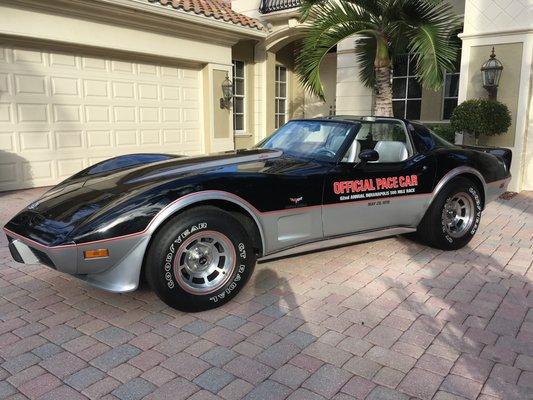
column 217, row 9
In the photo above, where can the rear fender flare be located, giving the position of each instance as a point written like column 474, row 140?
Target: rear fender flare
column 463, row 171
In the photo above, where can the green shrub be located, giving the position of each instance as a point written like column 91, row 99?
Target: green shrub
column 444, row 131
column 481, row 117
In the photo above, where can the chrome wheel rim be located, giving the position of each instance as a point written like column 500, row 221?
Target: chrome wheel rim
column 458, row 214
column 204, row 262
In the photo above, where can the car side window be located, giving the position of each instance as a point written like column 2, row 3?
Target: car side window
column 389, row 138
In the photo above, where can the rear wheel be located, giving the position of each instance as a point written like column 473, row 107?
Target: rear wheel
column 200, row 259
column 453, row 217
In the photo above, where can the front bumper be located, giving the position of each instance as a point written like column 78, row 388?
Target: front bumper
column 119, row 272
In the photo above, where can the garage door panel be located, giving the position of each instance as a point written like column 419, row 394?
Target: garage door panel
column 94, row 64
column 64, row 86
column 97, row 113
column 67, row 113
column 147, row 70
column 62, row 112
column 7, row 141
column 126, row 138
column 6, row 113
column 5, row 86
column 68, row 167
column 9, row 174
column 149, row 114
column 124, row 114
column 94, row 88
column 170, row 93
column 64, row 61
column 30, row 84
column 23, row 56
column 69, row 140
column 35, row 171
column 150, row 137
column 148, row 91
column 122, row 67
column 124, row 90
column 32, row 113
column 35, row 141
column 99, row 138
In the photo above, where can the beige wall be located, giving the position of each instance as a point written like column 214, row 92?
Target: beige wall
column 244, row 142
column 217, row 121
column 68, row 30
column 220, row 115
column 353, row 98
column 510, row 54
column 509, row 29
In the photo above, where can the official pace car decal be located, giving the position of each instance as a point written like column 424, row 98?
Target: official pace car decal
column 375, row 187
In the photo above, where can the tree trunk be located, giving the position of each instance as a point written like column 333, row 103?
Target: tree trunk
column 383, row 103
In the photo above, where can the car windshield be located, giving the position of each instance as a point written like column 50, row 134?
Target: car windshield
column 313, row 139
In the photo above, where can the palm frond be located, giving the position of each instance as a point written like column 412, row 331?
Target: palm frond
column 365, row 54
column 305, row 8
column 370, row 7
column 331, row 23
column 429, row 33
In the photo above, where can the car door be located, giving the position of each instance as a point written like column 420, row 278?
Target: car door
column 392, row 191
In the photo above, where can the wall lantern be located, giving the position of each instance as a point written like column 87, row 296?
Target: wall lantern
column 227, row 93
column 491, row 72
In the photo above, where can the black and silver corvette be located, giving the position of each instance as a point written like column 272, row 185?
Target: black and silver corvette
column 194, row 226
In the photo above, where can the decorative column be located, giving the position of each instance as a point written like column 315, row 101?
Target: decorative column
column 353, row 98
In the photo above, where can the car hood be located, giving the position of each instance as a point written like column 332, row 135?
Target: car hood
column 86, row 196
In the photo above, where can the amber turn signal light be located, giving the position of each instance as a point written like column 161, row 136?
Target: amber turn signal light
column 99, row 253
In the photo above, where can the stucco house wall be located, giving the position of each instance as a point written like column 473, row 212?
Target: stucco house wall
column 509, row 29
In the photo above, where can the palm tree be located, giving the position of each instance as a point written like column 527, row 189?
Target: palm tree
column 385, row 29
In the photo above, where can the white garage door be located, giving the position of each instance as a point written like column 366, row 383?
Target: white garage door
column 60, row 113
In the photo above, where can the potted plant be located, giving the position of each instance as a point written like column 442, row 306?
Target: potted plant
column 478, row 117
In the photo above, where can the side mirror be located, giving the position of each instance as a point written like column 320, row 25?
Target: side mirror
column 368, row 155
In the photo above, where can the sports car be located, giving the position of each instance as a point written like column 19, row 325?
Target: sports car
column 195, row 226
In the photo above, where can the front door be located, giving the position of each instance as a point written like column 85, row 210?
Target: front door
column 390, row 192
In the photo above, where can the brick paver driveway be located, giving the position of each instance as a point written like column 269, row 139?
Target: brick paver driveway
column 389, row 319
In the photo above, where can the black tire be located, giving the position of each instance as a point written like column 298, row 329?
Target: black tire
column 187, row 236
column 434, row 229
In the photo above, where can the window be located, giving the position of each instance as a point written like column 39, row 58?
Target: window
column 451, row 93
column 281, row 96
column 406, row 90
column 238, row 96
column 315, row 139
column 389, row 138
column 451, row 90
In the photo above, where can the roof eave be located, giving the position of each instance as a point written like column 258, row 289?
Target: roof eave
column 189, row 16
column 141, row 14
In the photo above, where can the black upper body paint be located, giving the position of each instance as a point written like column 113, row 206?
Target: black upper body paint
column 122, row 195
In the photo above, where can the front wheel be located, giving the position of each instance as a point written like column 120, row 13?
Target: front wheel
column 200, row 259
column 453, row 217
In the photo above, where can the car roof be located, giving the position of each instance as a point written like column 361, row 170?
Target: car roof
column 360, row 118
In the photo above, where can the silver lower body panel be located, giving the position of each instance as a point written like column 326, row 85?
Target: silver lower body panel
column 496, row 189
column 119, row 272
column 339, row 241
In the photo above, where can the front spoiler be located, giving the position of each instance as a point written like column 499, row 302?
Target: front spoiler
column 120, row 272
